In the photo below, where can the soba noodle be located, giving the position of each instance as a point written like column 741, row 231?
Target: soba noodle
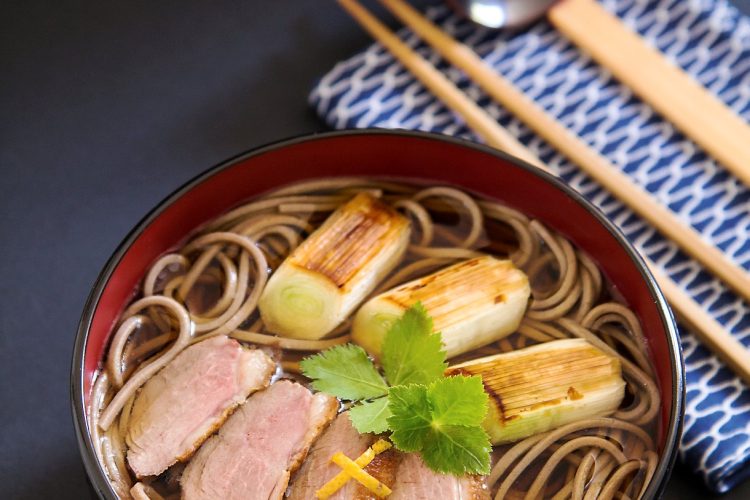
column 212, row 284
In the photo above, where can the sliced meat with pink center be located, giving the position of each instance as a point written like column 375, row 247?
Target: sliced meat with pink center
column 180, row 406
column 415, row 481
column 318, row 468
column 260, row 445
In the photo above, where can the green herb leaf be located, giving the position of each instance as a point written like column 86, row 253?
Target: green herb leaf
column 412, row 353
column 459, row 400
column 455, row 449
column 370, row 416
column 411, row 416
column 427, row 413
column 346, row 372
column 442, row 422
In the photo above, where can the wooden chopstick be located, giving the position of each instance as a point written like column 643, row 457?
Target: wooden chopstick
column 726, row 347
column 474, row 116
column 580, row 153
column 670, row 91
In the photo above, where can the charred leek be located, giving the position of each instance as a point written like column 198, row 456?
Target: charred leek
column 334, row 269
column 472, row 303
column 543, row 387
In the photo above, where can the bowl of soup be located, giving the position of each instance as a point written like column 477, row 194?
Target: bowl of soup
column 376, row 314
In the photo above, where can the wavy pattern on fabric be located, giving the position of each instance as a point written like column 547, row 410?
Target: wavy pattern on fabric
column 710, row 39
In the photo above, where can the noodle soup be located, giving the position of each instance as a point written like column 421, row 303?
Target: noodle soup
column 211, row 287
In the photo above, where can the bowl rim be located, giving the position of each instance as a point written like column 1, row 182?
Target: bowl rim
column 94, row 471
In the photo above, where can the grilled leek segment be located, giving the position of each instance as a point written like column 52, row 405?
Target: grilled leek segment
column 472, row 303
column 545, row 386
column 334, row 269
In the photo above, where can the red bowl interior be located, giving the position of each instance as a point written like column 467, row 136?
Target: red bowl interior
column 405, row 155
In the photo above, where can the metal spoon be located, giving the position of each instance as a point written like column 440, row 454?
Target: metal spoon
column 502, row 13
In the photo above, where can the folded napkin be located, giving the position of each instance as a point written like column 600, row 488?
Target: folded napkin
column 710, row 39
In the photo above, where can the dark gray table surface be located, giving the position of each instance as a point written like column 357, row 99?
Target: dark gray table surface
column 105, row 108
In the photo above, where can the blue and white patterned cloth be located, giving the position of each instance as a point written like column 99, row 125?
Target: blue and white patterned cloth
column 710, row 39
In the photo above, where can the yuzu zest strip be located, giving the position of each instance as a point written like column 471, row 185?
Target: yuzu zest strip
column 344, row 476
